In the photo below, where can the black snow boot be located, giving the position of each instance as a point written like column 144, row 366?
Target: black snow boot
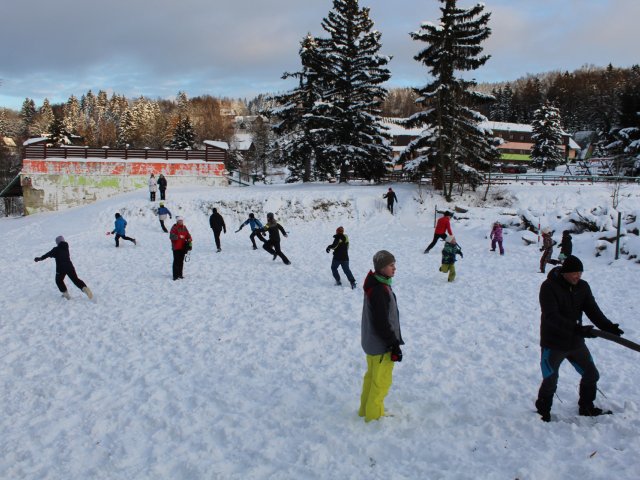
column 591, row 411
column 543, row 408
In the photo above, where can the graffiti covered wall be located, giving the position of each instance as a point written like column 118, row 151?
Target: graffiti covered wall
column 56, row 184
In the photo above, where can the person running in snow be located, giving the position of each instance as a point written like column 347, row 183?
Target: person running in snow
column 162, row 185
column 391, row 197
column 449, row 252
column 153, row 187
column 496, row 237
column 546, row 249
column 443, row 227
column 340, row 247
column 273, row 244
column 162, row 215
column 566, row 246
column 256, row 229
column 380, row 335
column 564, row 297
column 64, row 268
column 216, row 222
column 119, row 229
column 180, row 245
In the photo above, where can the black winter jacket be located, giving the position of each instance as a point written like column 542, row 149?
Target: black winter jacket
column 61, row 253
column 566, row 245
column 216, row 222
column 562, row 305
column 274, row 234
column 340, row 247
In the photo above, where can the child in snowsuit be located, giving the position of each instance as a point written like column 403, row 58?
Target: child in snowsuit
column 162, row 215
column 273, row 244
column 380, row 335
column 566, row 246
column 256, row 229
column 496, row 237
column 546, row 249
column 443, row 227
column 449, row 252
column 180, row 245
column 216, row 222
column 153, row 188
column 119, row 229
column 64, row 267
column 340, row 247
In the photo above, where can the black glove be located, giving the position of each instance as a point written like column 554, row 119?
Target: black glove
column 461, row 255
column 37, row 259
column 328, row 249
column 586, row 331
column 396, row 353
column 615, row 329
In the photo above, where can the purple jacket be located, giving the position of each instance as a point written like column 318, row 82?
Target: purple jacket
column 496, row 233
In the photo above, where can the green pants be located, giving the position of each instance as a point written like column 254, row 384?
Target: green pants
column 451, row 268
column 375, row 386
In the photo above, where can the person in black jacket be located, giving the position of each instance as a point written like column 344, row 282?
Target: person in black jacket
column 216, row 222
column 564, row 296
column 391, row 197
column 64, row 267
column 162, row 186
column 566, row 246
column 273, row 244
column 340, row 247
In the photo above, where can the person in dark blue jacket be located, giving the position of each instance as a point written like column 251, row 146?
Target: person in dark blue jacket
column 256, row 229
column 340, row 247
column 273, row 244
column 64, row 268
column 119, row 229
column 162, row 215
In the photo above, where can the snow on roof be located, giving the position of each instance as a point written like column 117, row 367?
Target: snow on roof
column 242, row 141
column 515, row 127
column 396, row 129
column 217, row 144
column 31, row 141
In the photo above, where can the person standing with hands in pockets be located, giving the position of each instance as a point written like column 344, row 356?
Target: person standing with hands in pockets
column 380, row 335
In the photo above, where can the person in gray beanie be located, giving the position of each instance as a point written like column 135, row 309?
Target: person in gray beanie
column 64, row 267
column 564, row 297
column 380, row 335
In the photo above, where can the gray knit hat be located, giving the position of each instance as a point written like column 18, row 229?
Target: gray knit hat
column 381, row 259
column 59, row 239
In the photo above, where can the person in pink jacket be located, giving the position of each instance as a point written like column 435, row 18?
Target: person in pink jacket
column 496, row 237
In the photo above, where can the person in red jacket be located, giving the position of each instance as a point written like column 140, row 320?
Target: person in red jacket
column 443, row 227
column 180, row 244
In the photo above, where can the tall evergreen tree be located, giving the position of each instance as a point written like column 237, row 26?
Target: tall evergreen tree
column 58, row 133
column 72, row 115
column 298, row 117
column 4, row 125
column 451, row 123
column 45, row 118
column 547, row 137
column 27, row 116
column 355, row 138
column 183, row 137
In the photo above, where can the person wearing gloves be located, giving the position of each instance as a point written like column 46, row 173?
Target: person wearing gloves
column 496, row 237
column 380, row 335
column 153, row 188
column 119, row 229
column 443, row 227
column 256, row 229
column 340, row 247
column 216, row 222
column 564, row 297
column 64, row 268
column 180, row 245
column 162, row 215
column 273, row 244
column 391, row 198
column 449, row 252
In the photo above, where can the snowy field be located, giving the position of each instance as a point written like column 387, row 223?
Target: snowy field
column 251, row 369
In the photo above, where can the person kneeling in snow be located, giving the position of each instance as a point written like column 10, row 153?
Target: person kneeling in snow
column 449, row 252
column 380, row 335
column 64, row 267
column 564, row 296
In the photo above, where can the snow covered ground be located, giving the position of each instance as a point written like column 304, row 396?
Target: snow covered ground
column 251, row 369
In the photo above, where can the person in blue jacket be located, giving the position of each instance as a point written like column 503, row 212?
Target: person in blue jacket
column 119, row 229
column 162, row 215
column 256, row 227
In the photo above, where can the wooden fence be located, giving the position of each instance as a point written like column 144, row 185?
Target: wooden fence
column 41, row 152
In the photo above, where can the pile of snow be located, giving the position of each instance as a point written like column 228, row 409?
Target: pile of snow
column 249, row 368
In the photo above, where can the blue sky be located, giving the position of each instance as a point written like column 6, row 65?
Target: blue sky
column 239, row 48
